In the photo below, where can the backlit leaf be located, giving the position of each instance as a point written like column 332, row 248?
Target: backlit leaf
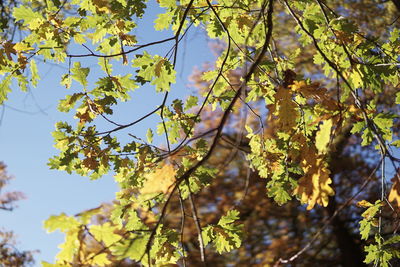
column 26, row 14
column 105, row 233
column 314, row 187
column 61, row 222
column 394, row 194
column 323, row 136
column 159, row 181
column 80, row 74
column 286, row 109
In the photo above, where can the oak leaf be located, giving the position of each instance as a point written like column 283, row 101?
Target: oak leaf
column 101, row 5
column 22, row 47
column 394, row 194
column 315, row 92
column 90, row 163
column 323, row 136
column 286, row 109
column 314, row 187
column 9, row 49
column 160, row 181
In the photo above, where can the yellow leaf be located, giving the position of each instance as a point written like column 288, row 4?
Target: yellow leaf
column 314, row 186
column 394, row 194
column 286, row 109
column 323, row 136
column 99, row 260
column 79, row 38
column 19, row 47
column 364, row 204
column 160, row 181
column 69, row 247
column 300, row 86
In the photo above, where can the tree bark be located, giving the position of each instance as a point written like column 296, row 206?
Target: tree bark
column 350, row 252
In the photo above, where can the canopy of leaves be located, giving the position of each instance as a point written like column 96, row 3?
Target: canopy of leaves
column 262, row 163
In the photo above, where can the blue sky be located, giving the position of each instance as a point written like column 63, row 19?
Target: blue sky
column 26, row 142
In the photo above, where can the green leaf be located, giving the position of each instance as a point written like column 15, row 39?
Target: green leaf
column 228, row 232
column 207, row 234
column 230, row 217
column 156, row 70
column 69, row 247
column 367, row 137
column 278, row 192
column 384, row 121
column 191, row 101
column 34, row 73
column 79, row 38
column 149, row 136
column 165, row 75
column 377, row 255
column 69, row 102
column 167, row 3
column 163, row 21
column 392, row 240
column 80, row 74
column 369, row 221
column 372, row 253
column 27, row 15
column 226, row 241
column 133, row 249
column 396, row 143
column 61, row 222
column 357, row 127
column 105, row 233
column 5, row 88
column 66, row 80
column 365, row 229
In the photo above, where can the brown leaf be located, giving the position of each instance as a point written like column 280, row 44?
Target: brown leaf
column 101, row 5
column 22, row 60
column 9, row 49
column 316, row 92
column 245, row 20
column 158, row 67
column 90, row 163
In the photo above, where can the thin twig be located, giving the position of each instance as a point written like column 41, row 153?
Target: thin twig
column 183, row 217
column 221, row 125
column 197, row 224
column 369, row 123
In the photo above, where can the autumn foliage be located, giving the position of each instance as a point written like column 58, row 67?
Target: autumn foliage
column 281, row 155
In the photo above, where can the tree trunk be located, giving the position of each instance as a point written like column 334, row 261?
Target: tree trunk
column 351, row 252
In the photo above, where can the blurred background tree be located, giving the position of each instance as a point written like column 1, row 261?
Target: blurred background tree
column 9, row 253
